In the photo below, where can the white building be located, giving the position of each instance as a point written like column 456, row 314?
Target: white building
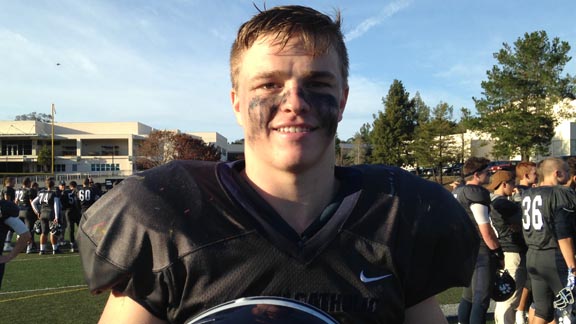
column 562, row 144
column 80, row 149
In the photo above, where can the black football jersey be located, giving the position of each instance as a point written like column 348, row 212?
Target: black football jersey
column 8, row 193
column 47, row 199
column 541, row 206
column 68, row 199
column 472, row 194
column 506, row 217
column 86, row 197
column 23, row 198
column 190, row 235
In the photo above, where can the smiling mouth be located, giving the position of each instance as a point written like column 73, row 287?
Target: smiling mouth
column 294, row 129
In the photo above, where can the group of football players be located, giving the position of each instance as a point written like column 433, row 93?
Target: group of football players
column 527, row 225
column 48, row 211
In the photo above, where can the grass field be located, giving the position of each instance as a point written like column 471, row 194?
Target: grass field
column 47, row 289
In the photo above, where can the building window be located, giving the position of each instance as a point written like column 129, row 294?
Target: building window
column 16, row 147
column 74, row 167
column 105, row 167
column 60, row 167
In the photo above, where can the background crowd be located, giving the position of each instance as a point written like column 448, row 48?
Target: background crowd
column 526, row 220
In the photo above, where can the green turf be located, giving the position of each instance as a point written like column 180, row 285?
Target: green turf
column 47, row 289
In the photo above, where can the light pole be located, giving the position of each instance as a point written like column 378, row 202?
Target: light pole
column 52, row 164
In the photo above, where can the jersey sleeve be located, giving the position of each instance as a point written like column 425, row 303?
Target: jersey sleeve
column 128, row 237
column 477, row 195
column 506, row 208
column 564, row 213
column 440, row 239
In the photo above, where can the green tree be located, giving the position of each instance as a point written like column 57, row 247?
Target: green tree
column 44, row 158
column 45, row 118
column 421, row 109
column 164, row 146
column 393, row 129
column 434, row 143
column 518, row 97
column 360, row 151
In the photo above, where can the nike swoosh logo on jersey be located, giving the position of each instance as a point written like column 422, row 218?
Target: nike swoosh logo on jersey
column 365, row 279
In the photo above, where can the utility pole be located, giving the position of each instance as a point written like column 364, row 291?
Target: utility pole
column 52, row 164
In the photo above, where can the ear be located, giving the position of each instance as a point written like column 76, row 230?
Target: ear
column 236, row 106
column 525, row 176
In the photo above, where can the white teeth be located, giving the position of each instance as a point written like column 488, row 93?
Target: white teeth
column 293, row 130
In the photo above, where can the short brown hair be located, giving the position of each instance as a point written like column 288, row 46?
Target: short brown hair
column 318, row 32
column 550, row 164
column 523, row 168
column 50, row 183
column 474, row 164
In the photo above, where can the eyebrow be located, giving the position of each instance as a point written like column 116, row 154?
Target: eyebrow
column 308, row 75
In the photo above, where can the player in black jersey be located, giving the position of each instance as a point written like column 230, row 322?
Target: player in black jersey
column 47, row 208
column 86, row 195
column 526, row 178
column 24, row 197
column 506, row 217
column 9, row 221
column 9, row 194
column 367, row 244
column 476, row 200
column 71, row 207
column 548, row 222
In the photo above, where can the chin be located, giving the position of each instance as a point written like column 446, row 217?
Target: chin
column 301, row 161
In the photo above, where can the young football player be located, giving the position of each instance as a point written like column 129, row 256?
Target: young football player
column 86, row 195
column 24, row 197
column 369, row 244
column 526, row 178
column 476, row 200
column 506, row 216
column 73, row 213
column 47, row 207
column 548, row 214
column 9, row 194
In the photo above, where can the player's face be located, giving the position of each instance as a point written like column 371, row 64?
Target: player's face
column 509, row 187
column 563, row 175
column 289, row 104
column 484, row 176
column 532, row 176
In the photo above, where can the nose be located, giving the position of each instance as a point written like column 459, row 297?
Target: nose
column 295, row 100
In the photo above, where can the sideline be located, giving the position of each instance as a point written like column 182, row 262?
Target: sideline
column 75, row 288
column 45, row 257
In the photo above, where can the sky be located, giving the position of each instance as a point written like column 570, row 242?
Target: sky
column 164, row 63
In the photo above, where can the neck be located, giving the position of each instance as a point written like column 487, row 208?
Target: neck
column 297, row 197
column 548, row 182
column 500, row 193
column 473, row 182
